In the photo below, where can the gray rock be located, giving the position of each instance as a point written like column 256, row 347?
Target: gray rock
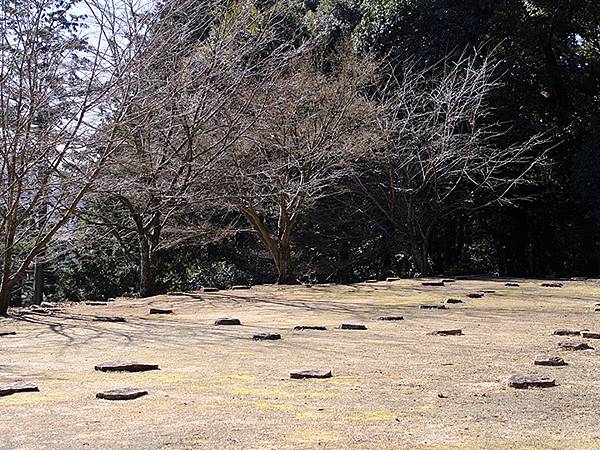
column 371, row 281
column 511, row 284
column 309, row 327
column 574, row 346
column 455, row 332
column 566, row 333
column 432, row 306
column 392, row 279
column 109, row 319
column 7, row 333
column 125, row 366
column 522, row 381
column 266, row 337
column 553, row 285
column 240, row 287
column 449, row 280
column 390, row 318
column 547, row 360
column 227, row 321
column 16, row 387
column 161, row 311
column 209, row 289
column 475, row 295
column 453, row 300
column 352, row 326
column 432, row 283
column 311, row 374
column 125, row 393
column 96, row 303
column 590, row 335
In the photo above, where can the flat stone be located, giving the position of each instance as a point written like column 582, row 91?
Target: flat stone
column 112, row 299
column 453, row 300
column 96, row 303
column 352, row 326
column 590, row 335
column 390, row 318
column 109, row 319
column 311, row 374
column 574, row 346
column 553, row 285
column 475, row 295
column 511, row 284
column 16, row 387
column 240, row 287
column 227, row 321
column 432, row 306
column 7, row 333
column 310, row 327
column 455, row 332
column 392, row 279
column 125, row 366
column 176, row 293
column 547, row 360
column 209, row 289
column 597, row 309
column 522, row 381
column 266, row 337
column 567, row 333
column 488, row 291
column 432, row 283
column 125, row 393
column 371, row 281
column 161, row 311
column 449, row 280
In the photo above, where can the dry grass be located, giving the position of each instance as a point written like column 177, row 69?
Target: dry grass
column 217, row 388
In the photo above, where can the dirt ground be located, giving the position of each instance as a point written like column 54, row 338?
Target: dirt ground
column 393, row 386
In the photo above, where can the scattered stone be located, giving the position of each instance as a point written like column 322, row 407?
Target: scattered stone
column 553, row 285
column 175, row 293
column 432, row 306
column 597, row 309
column 432, row 283
column 590, row 335
column 453, row 300
column 7, row 333
column 50, row 305
column 475, row 295
column 309, row 327
column 16, row 387
column 121, row 394
column 520, row 381
column 352, row 326
column 488, row 291
column 442, row 395
column 547, row 360
column 266, row 337
column 111, row 299
column 566, row 333
column 574, row 346
column 125, row 366
column 227, row 321
column 210, row 289
column 96, row 303
column 390, row 318
column 161, row 311
column 578, row 278
column 449, row 280
column 446, row 333
column 311, row 374
column 240, row 287
column 109, row 319
column 392, row 279
column 511, row 284
column 371, row 281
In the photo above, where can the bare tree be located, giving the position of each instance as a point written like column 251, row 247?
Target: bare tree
column 298, row 150
column 190, row 102
column 57, row 129
column 442, row 152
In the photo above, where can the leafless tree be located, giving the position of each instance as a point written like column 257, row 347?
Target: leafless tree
column 297, row 151
column 441, row 150
column 57, row 127
column 190, row 104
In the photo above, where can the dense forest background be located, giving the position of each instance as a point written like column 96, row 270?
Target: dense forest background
column 546, row 69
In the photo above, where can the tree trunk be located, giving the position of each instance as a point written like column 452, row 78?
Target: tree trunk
column 5, row 295
column 147, row 263
column 38, row 283
column 283, row 259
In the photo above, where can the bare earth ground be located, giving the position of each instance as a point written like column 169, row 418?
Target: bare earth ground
column 217, row 388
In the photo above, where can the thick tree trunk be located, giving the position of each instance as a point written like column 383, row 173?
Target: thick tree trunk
column 283, row 260
column 147, row 266
column 38, row 283
column 5, row 295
